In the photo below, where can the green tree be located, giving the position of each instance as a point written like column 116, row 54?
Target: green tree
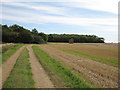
column 26, row 37
column 38, row 39
column 34, row 31
column 44, row 36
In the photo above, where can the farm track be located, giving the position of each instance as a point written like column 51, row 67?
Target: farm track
column 97, row 73
column 39, row 75
column 9, row 64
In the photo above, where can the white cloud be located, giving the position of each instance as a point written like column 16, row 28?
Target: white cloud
column 42, row 19
column 36, row 17
column 99, row 5
column 45, row 8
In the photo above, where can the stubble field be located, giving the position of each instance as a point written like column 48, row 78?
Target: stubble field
column 80, row 65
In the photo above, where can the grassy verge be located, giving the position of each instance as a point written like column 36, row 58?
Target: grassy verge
column 8, row 47
column 105, row 60
column 0, row 50
column 60, row 75
column 21, row 75
column 7, row 51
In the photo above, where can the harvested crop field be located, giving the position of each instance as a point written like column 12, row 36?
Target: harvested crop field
column 99, row 74
column 62, row 65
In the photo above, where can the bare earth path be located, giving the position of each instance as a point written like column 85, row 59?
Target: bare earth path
column 9, row 64
column 97, row 73
column 39, row 75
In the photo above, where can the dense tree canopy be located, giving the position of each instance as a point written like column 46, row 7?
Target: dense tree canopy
column 18, row 34
column 77, row 38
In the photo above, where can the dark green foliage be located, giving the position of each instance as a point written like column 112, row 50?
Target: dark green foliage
column 18, row 34
column 38, row 39
column 77, row 38
column 44, row 36
column 26, row 37
column 34, row 31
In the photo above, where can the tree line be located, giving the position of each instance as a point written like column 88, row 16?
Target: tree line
column 19, row 34
column 77, row 38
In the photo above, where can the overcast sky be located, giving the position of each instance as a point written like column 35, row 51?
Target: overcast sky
column 91, row 17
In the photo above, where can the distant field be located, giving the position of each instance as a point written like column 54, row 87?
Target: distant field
column 104, row 53
column 79, row 65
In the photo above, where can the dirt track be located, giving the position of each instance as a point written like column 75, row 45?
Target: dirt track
column 39, row 75
column 97, row 73
column 9, row 64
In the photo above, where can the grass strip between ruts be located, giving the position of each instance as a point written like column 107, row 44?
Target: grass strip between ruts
column 21, row 75
column 61, row 75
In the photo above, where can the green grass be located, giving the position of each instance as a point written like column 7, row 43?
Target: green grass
column 21, row 75
column 7, row 51
column 0, row 50
column 8, row 47
column 61, row 75
column 105, row 60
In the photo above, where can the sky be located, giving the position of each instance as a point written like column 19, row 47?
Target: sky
column 84, row 17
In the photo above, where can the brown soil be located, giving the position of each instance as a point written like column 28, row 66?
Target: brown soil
column 9, row 64
column 97, row 73
column 92, row 49
column 91, row 44
column 103, row 44
column 39, row 75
